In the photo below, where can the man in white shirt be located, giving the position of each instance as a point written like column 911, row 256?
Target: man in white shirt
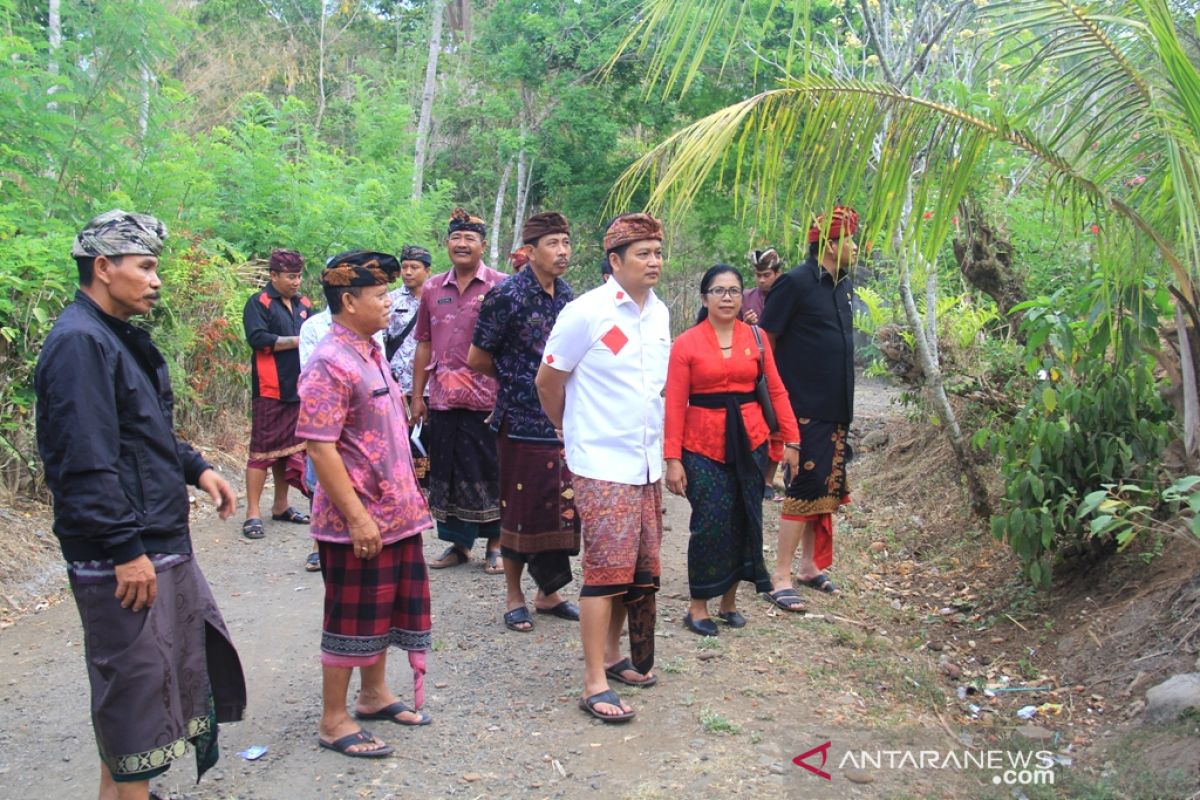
column 601, row 382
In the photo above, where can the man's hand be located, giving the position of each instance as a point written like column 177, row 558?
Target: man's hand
column 750, row 317
column 417, row 411
column 676, row 477
column 137, row 585
column 365, row 538
column 222, row 494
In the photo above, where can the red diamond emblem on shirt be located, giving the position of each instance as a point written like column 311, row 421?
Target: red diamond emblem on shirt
column 620, row 295
column 615, row 339
column 550, row 359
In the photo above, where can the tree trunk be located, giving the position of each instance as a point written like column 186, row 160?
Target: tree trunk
column 976, row 492
column 55, row 26
column 1191, row 398
column 424, row 122
column 147, row 78
column 320, row 68
column 497, row 211
column 519, row 204
column 931, row 315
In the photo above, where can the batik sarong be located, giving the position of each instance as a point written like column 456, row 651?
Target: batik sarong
column 371, row 604
column 622, row 545
column 161, row 678
column 273, row 438
column 464, row 485
column 726, row 544
column 538, row 523
column 819, row 485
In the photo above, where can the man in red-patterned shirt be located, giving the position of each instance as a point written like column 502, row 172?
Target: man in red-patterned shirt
column 272, row 319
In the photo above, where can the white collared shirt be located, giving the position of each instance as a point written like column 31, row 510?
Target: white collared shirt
column 617, row 355
column 313, row 331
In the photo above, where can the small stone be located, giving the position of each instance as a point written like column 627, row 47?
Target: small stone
column 471, row 777
column 953, row 671
column 935, row 646
column 440, row 685
column 875, row 439
column 858, row 776
column 778, row 769
column 877, row 547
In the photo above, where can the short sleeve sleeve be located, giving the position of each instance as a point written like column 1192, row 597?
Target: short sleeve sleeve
column 424, row 329
column 325, row 392
column 489, row 327
column 569, row 340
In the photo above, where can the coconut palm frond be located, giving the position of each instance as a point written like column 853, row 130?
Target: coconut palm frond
column 790, row 153
column 679, row 35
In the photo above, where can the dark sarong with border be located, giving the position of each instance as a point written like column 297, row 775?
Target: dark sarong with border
column 726, row 545
column 273, row 438
column 161, row 678
column 726, row 499
column 464, row 479
column 538, row 523
column 819, row 487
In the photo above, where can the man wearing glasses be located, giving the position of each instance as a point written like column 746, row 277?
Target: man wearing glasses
column 810, row 323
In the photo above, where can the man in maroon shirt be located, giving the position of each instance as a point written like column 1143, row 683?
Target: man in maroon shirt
column 464, row 475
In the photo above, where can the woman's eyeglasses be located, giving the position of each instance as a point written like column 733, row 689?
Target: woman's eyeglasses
column 725, row 291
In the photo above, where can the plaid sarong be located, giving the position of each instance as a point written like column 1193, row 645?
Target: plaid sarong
column 371, row 604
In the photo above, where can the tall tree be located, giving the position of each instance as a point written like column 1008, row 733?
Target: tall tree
column 428, row 90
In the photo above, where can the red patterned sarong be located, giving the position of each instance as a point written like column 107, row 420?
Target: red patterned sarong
column 622, row 535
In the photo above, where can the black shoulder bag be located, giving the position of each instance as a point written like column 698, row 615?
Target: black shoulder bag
column 760, row 388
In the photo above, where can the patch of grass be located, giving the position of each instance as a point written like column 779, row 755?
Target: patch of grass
column 674, row 666
column 708, row 643
column 713, row 722
column 438, row 645
column 843, row 637
column 755, row 737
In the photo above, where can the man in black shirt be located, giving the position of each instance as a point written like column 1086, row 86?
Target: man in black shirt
column 810, row 323
column 272, row 319
column 162, row 670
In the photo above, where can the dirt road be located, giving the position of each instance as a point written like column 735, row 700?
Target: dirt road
column 726, row 719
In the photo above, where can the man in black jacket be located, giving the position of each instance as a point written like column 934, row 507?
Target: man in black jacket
column 163, row 671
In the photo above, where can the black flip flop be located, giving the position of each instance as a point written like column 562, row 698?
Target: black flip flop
column 564, row 610
column 459, row 556
column 253, row 528
column 493, row 565
column 361, row 736
column 787, row 599
column 610, row 697
column 389, row 713
column 292, row 515
column 614, row 674
column 518, row 616
column 821, row 583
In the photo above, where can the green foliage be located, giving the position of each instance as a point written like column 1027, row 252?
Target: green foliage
column 1094, row 418
column 1124, row 511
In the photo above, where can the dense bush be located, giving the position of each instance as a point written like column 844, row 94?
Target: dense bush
column 1095, row 418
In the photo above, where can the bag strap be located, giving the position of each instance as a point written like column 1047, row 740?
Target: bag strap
column 393, row 344
column 761, row 352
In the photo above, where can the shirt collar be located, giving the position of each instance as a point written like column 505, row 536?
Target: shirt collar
column 365, row 347
column 620, row 296
column 480, row 272
column 118, row 325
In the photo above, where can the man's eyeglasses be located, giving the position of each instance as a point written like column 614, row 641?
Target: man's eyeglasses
column 725, row 291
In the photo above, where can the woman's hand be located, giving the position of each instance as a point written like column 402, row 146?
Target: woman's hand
column 676, row 477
